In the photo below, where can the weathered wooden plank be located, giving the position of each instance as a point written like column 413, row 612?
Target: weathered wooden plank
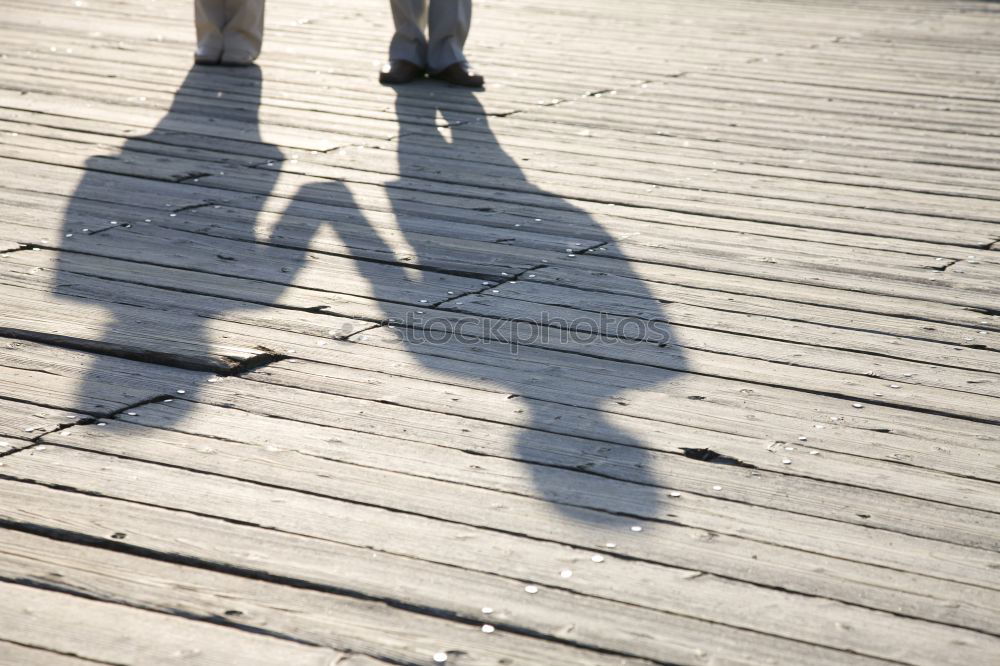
column 854, row 389
column 706, row 402
column 712, row 124
column 524, row 562
column 850, row 143
column 896, row 338
column 329, row 564
column 129, row 331
column 962, row 367
column 297, row 239
column 636, row 431
column 616, row 468
column 8, row 444
column 95, row 186
column 831, row 122
column 643, row 279
column 779, row 320
column 919, row 285
column 242, row 289
column 338, row 621
column 158, row 325
column 64, row 379
column 273, row 266
column 33, row 218
column 527, row 134
column 516, row 192
column 121, row 635
column 13, row 653
column 538, row 140
column 21, row 422
column 728, row 91
column 57, row 102
column 803, row 567
column 121, row 274
column 823, row 378
column 621, row 183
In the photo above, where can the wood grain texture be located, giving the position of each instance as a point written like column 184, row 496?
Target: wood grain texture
column 689, row 320
column 117, row 634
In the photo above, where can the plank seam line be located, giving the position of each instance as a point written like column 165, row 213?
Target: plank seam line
column 392, row 322
column 67, row 589
column 344, row 255
column 761, row 336
column 948, row 263
column 316, row 309
column 590, row 473
column 816, row 179
column 686, row 207
column 188, row 207
column 36, row 121
column 271, row 356
column 43, row 648
column 165, row 359
column 829, row 84
column 759, row 382
column 248, row 365
column 756, row 202
column 805, row 477
column 773, row 115
column 60, row 534
column 740, row 142
column 752, row 142
column 154, row 141
column 777, row 316
column 802, row 98
column 922, row 188
column 514, row 277
column 717, row 155
column 566, row 285
column 583, row 437
column 86, row 420
column 845, row 308
column 816, row 345
column 76, row 537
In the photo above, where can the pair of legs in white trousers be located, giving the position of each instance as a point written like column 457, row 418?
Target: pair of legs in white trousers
column 230, row 32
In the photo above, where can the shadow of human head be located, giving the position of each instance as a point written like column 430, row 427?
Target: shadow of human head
column 135, row 277
column 459, row 183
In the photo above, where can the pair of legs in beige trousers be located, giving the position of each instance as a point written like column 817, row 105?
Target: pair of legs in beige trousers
column 429, row 38
column 446, row 23
column 230, row 32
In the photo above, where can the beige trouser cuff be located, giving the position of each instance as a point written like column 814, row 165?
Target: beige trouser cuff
column 229, row 31
column 447, row 23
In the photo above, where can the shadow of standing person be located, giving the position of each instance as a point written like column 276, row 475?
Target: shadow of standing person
column 426, row 157
column 212, row 124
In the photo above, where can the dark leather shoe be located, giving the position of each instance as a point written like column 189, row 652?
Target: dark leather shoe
column 459, row 74
column 399, row 71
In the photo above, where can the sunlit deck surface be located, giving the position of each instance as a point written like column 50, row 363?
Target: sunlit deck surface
column 677, row 344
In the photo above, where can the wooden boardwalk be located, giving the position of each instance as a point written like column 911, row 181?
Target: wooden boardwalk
column 675, row 345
